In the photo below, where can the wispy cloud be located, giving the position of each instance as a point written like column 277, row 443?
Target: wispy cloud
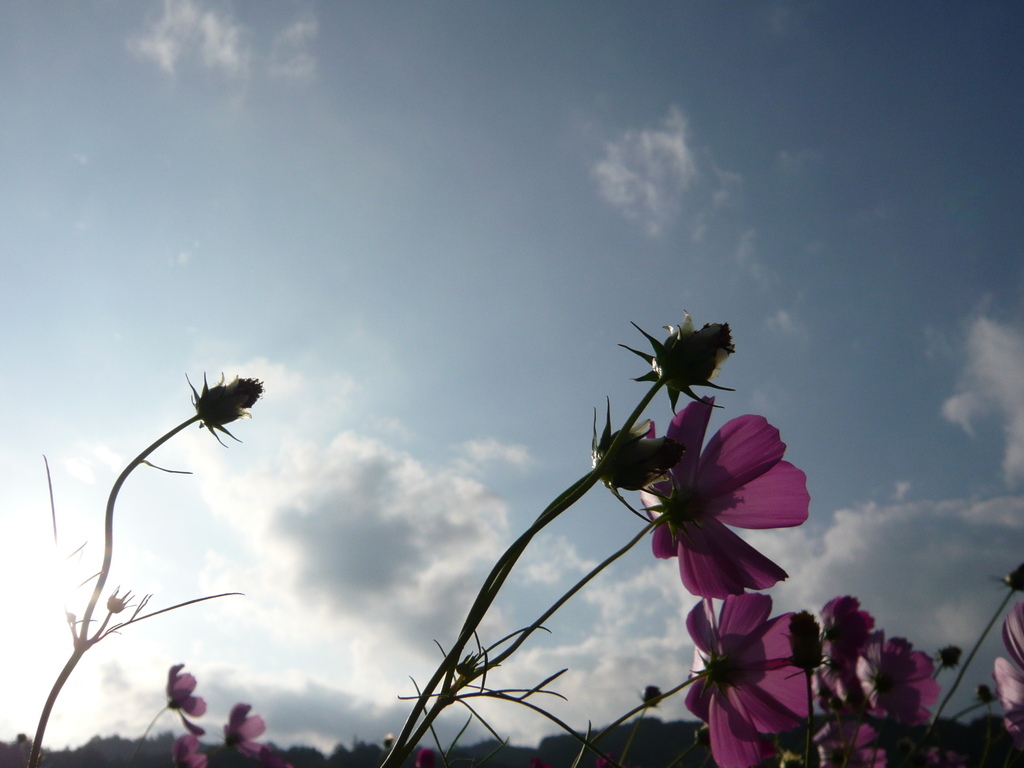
column 289, row 55
column 644, row 173
column 187, row 29
column 993, row 380
column 650, row 175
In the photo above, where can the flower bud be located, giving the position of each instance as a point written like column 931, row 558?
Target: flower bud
column 949, row 656
column 117, row 604
column 640, row 460
column 687, row 358
column 805, row 641
column 389, row 740
column 984, row 694
column 1015, row 580
column 650, row 693
column 225, row 403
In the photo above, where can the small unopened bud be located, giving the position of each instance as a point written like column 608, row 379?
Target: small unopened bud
column 687, row 358
column 805, row 641
column 389, row 741
column 640, row 460
column 225, row 402
column 949, row 656
column 1015, row 579
column 117, row 604
column 651, row 692
column 984, row 694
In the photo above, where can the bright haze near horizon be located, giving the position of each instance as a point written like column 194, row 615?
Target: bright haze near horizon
column 427, row 228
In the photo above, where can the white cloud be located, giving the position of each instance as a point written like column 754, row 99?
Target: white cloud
column 653, row 176
column 550, row 559
column 644, row 173
column 188, row 29
column 365, row 534
column 785, row 323
column 289, row 55
column 490, row 449
column 993, row 379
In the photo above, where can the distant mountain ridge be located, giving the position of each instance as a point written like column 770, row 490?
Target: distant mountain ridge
column 657, row 745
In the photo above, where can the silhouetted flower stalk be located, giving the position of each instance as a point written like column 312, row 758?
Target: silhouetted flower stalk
column 622, row 458
column 215, row 407
column 429, row 704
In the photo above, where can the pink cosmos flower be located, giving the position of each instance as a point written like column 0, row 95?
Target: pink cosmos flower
column 179, row 692
column 1010, row 678
column 185, row 752
column 834, row 743
column 179, row 697
column 897, row 680
column 749, row 686
column 425, row 758
column 242, row 729
column 845, row 630
column 739, row 479
column 536, row 762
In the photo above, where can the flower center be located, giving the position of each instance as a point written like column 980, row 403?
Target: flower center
column 718, row 671
column 883, row 682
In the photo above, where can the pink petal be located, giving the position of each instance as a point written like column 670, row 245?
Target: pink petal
column 1013, row 634
column 252, row 728
column 767, row 713
column 700, row 623
column 237, row 716
column 715, row 562
column 776, row 499
column 698, row 700
column 1009, row 684
column 688, row 427
column 662, row 543
column 742, row 614
column 745, row 448
column 734, row 741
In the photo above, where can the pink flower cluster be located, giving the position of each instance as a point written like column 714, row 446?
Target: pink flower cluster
column 240, row 731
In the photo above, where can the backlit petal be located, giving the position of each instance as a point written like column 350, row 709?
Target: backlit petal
column 776, row 499
column 743, row 449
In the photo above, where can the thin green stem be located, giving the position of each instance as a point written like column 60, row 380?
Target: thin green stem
column 683, row 754
column 144, row 735
column 960, row 676
column 82, row 641
column 810, row 719
column 988, row 739
column 632, row 735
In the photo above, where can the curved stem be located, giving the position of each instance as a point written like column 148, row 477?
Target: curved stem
column 144, row 735
column 82, row 640
column 410, row 734
column 108, row 523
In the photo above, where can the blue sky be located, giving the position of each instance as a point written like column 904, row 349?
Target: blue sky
column 427, row 228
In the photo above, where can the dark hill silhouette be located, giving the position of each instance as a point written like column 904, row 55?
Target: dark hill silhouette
column 656, row 745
